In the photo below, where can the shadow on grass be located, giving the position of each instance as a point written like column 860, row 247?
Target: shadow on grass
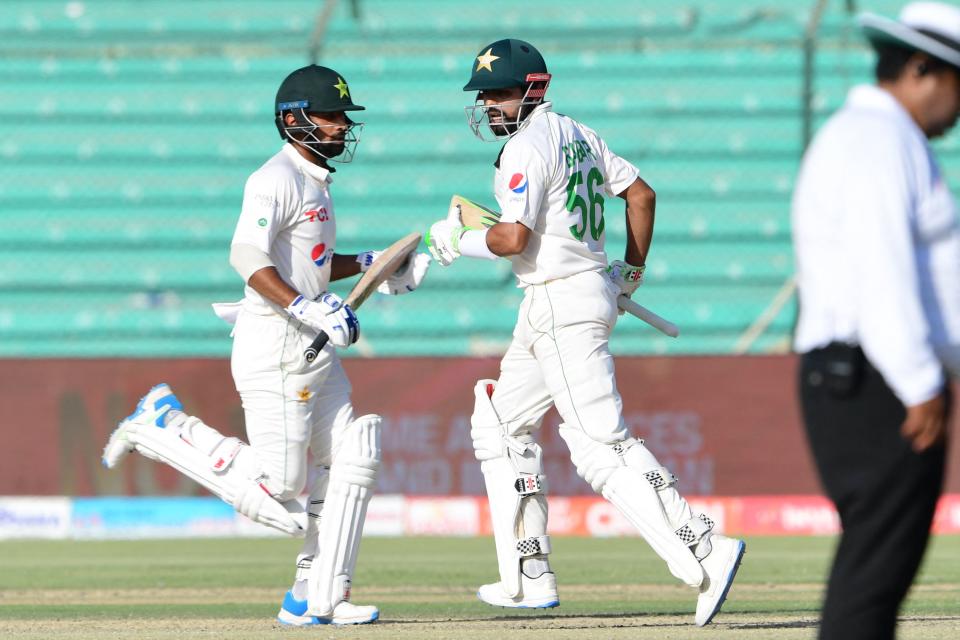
column 786, row 624
column 561, row 617
column 646, row 620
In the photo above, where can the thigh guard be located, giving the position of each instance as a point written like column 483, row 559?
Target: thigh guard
column 516, row 488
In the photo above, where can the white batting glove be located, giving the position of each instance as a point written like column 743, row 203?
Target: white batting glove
column 443, row 239
column 625, row 276
column 367, row 258
column 408, row 277
column 329, row 314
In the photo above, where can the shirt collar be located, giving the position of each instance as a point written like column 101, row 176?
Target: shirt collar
column 539, row 110
column 872, row 97
column 315, row 171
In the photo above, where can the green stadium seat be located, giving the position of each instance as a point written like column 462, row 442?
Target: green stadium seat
column 126, row 137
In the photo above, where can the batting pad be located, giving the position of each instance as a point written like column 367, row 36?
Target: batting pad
column 353, row 475
column 630, row 477
column 227, row 467
column 516, row 489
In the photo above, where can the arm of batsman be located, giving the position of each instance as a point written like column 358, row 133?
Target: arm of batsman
column 443, row 238
column 408, row 277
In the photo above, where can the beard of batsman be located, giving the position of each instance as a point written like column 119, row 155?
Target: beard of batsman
column 338, row 146
column 505, row 119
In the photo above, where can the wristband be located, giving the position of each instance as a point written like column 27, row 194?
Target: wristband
column 473, row 243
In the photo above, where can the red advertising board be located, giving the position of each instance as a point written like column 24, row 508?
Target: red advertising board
column 726, row 426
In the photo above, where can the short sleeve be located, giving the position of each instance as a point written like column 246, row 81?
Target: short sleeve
column 263, row 214
column 523, row 172
column 619, row 173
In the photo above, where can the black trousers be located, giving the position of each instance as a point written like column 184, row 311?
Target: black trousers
column 884, row 492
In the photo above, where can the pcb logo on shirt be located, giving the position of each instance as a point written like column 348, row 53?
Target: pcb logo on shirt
column 317, row 215
column 518, row 183
column 319, row 254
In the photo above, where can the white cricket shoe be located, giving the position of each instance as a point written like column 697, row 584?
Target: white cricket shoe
column 535, row 593
column 719, row 569
column 293, row 612
column 152, row 410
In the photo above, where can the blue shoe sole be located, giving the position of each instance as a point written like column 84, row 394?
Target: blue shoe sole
column 327, row 621
column 549, row 605
column 375, row 617
column 311, row 624
column 730, row 577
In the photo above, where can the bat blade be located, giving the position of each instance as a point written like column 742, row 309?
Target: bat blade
column 474, row 215
column 386, row 264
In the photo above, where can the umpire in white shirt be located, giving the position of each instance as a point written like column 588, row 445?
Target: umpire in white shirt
column 878, row 268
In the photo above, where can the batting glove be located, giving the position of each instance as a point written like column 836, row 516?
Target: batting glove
column 443, row 239
column 408, row 277
column 329, row 314
column 625, row 276
column 367, row 258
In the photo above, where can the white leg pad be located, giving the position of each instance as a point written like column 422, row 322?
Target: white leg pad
column 353, row 475
column 629, row 476
column 516, row 489
column 226, row 466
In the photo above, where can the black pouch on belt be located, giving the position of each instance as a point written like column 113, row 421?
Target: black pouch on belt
column 842, row 366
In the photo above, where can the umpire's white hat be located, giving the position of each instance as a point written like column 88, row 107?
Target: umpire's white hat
column 931, row 27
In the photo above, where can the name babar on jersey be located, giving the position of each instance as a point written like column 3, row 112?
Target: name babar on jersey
column 553, row 177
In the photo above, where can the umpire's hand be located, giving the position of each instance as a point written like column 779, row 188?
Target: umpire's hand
column 926, row 423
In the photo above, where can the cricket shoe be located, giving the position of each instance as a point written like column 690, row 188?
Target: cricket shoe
column 719, row 569
column 293, row 612
column 156, row 409
column 535, row 593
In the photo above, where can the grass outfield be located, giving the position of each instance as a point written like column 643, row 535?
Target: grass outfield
column 425, row 588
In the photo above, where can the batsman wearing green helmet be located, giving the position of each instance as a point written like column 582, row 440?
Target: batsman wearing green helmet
column 284, row 248
column 554, row 182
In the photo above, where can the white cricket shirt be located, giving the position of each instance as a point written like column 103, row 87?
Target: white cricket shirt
column 288, row 214
column 554, row 177
column 878, row 247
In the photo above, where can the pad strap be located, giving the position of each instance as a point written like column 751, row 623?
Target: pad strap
column 660, row 478
column 537, row 545
column 220, row 462
column 694, row 530
column 528, row 484
column 624, row 445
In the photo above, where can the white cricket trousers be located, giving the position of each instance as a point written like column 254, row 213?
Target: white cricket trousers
column 290, row 406
column 560, row 355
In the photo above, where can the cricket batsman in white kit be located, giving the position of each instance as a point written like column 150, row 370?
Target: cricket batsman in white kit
column 553, row 178
column 284, row 248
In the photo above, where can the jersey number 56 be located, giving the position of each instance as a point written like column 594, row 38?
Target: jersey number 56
column 591, row 209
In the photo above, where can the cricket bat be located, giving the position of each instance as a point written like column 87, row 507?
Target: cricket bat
column 386, row 264
column 477, row 216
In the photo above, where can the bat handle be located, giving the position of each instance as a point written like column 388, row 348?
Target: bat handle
column 316, row 346
column 661, row 324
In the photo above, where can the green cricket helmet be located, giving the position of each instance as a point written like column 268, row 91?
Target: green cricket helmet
column 505, row 64
column 316, row 89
